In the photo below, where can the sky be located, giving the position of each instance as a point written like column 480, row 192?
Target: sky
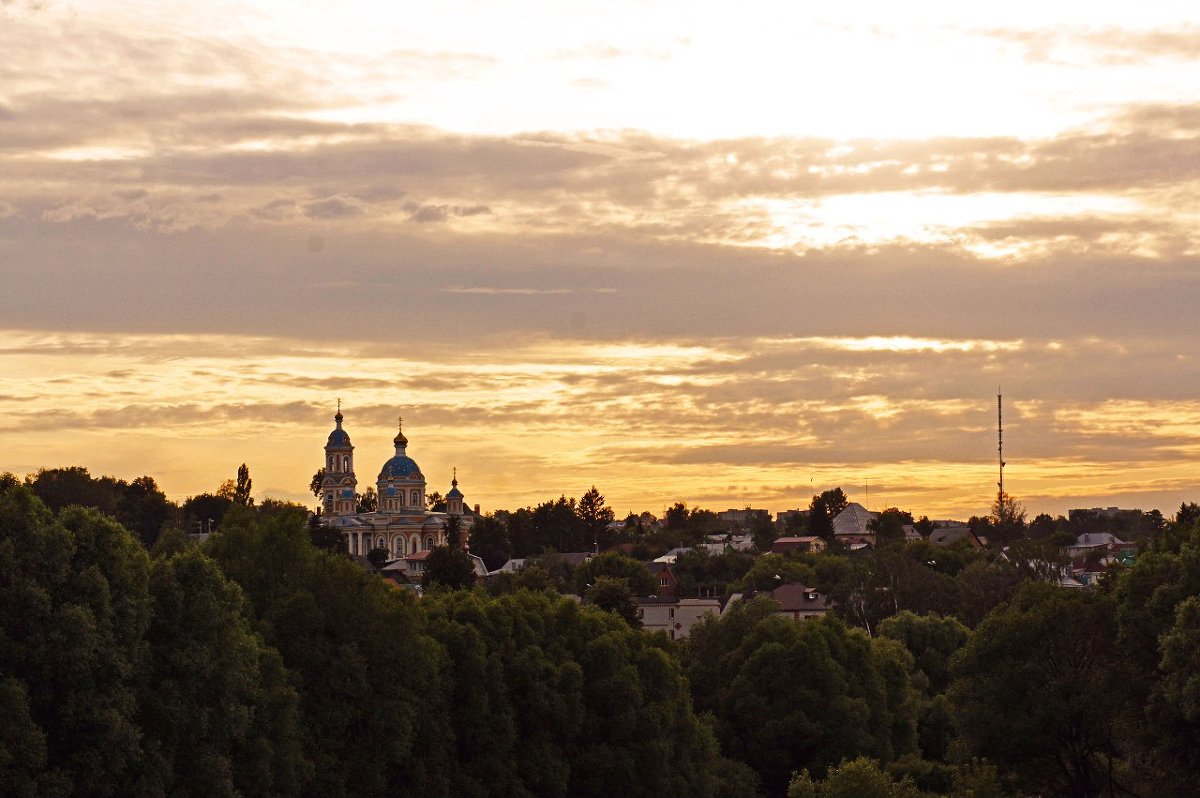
column 726, row 254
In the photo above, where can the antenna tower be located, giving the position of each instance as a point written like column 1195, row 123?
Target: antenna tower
column 1000, row 448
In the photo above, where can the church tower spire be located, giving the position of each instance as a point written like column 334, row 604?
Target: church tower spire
column 454, row 499
column 339, row 485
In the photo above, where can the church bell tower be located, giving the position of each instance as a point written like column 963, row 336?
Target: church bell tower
column 339, row 486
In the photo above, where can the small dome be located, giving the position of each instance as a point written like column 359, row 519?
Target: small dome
column 338, row 437
column 400, row 440
column 400, row 466
column 454, row 493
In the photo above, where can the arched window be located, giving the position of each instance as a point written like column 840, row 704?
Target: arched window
column 416, row 498
column 429, row 541
column 331, row 462
column 416, row 545
column 346, row 462
column 379, row 543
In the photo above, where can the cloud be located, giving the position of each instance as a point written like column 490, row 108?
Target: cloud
column 423, row 214
column 1107, row 46
column 276, row 210
column 380, row 194
column 333, row 208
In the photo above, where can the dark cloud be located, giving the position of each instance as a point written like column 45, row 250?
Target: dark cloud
column 333, row 208
column 439, row 213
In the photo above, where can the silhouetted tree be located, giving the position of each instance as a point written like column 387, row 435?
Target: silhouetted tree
column 367, row 501
column 241, row 491
column 449, row 568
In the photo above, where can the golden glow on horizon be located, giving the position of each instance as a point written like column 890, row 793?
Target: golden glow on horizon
column 524, row 428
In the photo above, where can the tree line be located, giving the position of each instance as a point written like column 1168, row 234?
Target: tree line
column 260, row 664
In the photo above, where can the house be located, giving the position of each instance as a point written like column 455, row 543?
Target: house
column 854, row 520
column 800, row 603
column 412, row 566
column 1096, row 543
column 513, row 565
column 856, row 543
column 813, row 545
column 673, row 555
column 662, row 573
column 785, row 517
column 950, row 535
column 719, row 544
column 675, row 616
column 1087, row 571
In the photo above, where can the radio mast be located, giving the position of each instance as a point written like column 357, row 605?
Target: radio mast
column 1000, row 448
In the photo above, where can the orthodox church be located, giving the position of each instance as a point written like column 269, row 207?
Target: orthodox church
column 401, row 523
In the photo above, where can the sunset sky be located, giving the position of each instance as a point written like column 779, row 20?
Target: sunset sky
column 726, row 253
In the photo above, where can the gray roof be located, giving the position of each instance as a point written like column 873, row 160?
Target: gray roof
column 853, row 520
column 795, row 596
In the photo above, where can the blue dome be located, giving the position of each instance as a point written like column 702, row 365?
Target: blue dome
column 338, row 438
column 454, row 493
column 400, row 466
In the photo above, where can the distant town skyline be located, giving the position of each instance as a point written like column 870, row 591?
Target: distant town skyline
column 681, row 251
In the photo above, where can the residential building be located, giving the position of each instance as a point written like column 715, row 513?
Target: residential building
column 675, row 616
column 808, row 544
column 799, row 602
column 854, row 521
column 664, row 576
column 949, row 535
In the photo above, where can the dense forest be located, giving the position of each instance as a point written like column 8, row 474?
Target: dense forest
column 136, row 662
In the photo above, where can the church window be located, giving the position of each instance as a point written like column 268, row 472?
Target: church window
column 345, row 463
column 416, row 498
column 331, row 462
column 429, row 542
